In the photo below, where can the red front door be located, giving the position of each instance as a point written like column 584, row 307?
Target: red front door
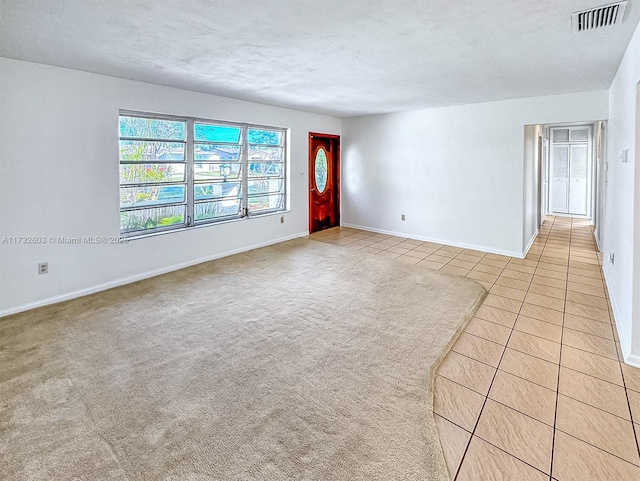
column 324, row 181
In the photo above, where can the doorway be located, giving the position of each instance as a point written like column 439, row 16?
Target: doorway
column 324, row 181
column 570, row 170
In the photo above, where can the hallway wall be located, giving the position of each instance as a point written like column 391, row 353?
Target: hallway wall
column 621, row 234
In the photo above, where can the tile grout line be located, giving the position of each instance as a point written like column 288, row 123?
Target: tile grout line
column 626, row 394
column 599, row 449
column 555, row 414
column 599, row 409
column 498, row 447
column 473, row 433
column 633, row 424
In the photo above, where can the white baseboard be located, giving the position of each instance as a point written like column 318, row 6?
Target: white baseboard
column 631, row 359
column 528, row 247
column 597, row 238
column 573, row 216
column 462, row 245
column 138, row 277
column 625, row 343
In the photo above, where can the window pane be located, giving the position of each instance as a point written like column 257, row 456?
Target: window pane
column 216, row 171
column 157, row 180
column 270, row 169
column 216, row 133
column 561, row 162
column 260, row 136
column 267, row 186
column 152, row 128
column 581, row 135
column 265, row 153
column 151, row 173
column 217, row 190
column 144, row 219
column 216, row 152
column 220, row 208
column 141, row 150
column 145, row 196
column 561, row 135
column 266, row 202
column 579, row 162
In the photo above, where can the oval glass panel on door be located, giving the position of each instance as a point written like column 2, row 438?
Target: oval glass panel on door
column 321, row 170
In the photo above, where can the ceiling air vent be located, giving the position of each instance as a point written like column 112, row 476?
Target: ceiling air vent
column 598, row 17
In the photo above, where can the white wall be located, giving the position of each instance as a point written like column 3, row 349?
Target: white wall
column 59, row 177
column 623, row 277
column 456, row 172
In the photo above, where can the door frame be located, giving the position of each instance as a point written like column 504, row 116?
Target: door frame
column 591, row 184
column 601, row 167
column 335, row 142
column 544, row 174
column 539, row 166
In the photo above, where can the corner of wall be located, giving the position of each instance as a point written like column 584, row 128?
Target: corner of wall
column 530, row 244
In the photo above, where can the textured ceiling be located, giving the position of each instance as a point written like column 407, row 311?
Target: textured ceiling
column 344, row 58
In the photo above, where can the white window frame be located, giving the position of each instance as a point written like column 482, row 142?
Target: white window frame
column 244, row 211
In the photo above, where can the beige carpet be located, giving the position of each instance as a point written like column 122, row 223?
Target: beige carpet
column 299, row 361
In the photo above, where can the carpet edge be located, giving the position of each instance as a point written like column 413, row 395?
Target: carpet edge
column 436, row 366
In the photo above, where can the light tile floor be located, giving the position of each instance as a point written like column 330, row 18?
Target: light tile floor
column 534, row 388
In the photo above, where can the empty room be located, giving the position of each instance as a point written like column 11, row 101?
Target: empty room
column 334, row 240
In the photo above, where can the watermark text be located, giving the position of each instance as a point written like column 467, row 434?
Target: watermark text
column 62, row 240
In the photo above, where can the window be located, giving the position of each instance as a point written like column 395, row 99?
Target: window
column 178, row 172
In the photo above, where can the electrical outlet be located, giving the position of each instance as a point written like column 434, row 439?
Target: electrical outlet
column 282, row 219
column 612, row 257
column 402, row 217
column 43, row 268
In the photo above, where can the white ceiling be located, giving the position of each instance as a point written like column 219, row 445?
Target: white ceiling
column 339, row 57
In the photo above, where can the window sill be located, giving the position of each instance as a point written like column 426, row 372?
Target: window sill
column 136, row 236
